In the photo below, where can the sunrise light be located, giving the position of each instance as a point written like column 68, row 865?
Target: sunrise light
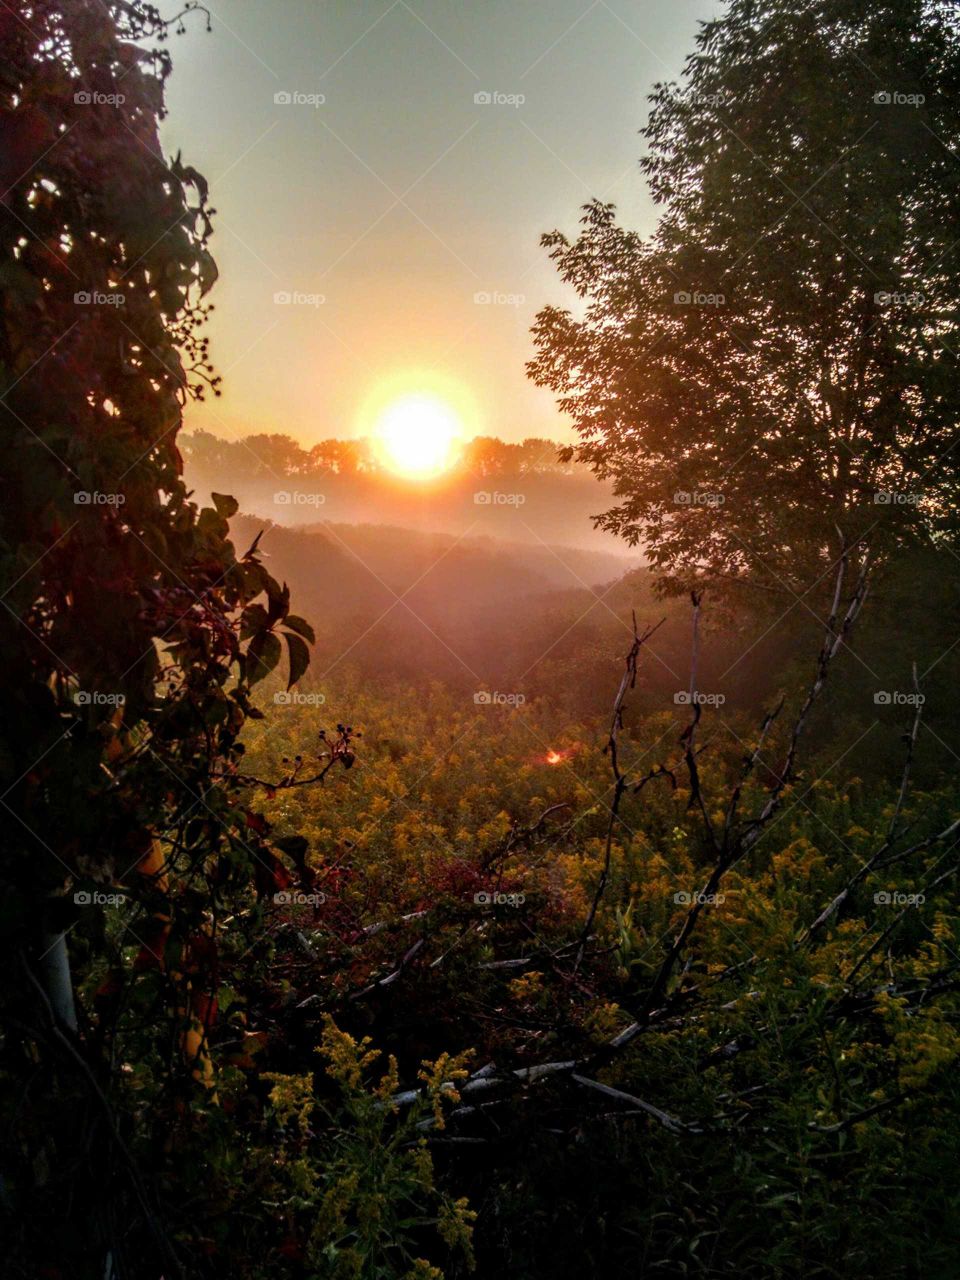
column 417, row 420
column 418, row 435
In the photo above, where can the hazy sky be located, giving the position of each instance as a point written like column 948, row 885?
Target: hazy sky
column 400, row 198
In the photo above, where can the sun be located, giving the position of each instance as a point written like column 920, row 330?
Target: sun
column 418, row 421
column 418, row 435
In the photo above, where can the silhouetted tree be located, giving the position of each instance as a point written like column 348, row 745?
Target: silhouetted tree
column 779, row 358
column 132, row 634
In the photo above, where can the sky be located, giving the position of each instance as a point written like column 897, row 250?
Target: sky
column 399, row 214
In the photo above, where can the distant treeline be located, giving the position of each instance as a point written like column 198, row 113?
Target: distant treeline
column 275, row 454
column 518, row 492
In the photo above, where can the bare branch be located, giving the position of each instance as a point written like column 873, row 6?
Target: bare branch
column 628, row 681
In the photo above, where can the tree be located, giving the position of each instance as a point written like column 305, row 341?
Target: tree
column 132, row 635
column 779, row 359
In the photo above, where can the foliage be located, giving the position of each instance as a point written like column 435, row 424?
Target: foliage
column 804, row 1082
column 699, row 1019
column 132, row 632
column 351, row 1178
column 778, row 360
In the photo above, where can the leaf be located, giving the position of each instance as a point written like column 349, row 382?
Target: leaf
column 299, row 657
column 252, row 620
column 263, row 655
column 226, row 505
column 295, row 846
column 300, row 625
column 252, row 550
column 207, row 270
column 278, row 599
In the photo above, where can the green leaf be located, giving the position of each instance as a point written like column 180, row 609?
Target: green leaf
column 294, row 622
column 299, row 657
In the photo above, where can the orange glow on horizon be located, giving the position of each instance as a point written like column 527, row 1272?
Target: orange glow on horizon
column 417, row 422
column 418, row 436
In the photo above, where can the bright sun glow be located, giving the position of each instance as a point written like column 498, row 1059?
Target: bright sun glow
column 418, row 420
column 417, row 435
